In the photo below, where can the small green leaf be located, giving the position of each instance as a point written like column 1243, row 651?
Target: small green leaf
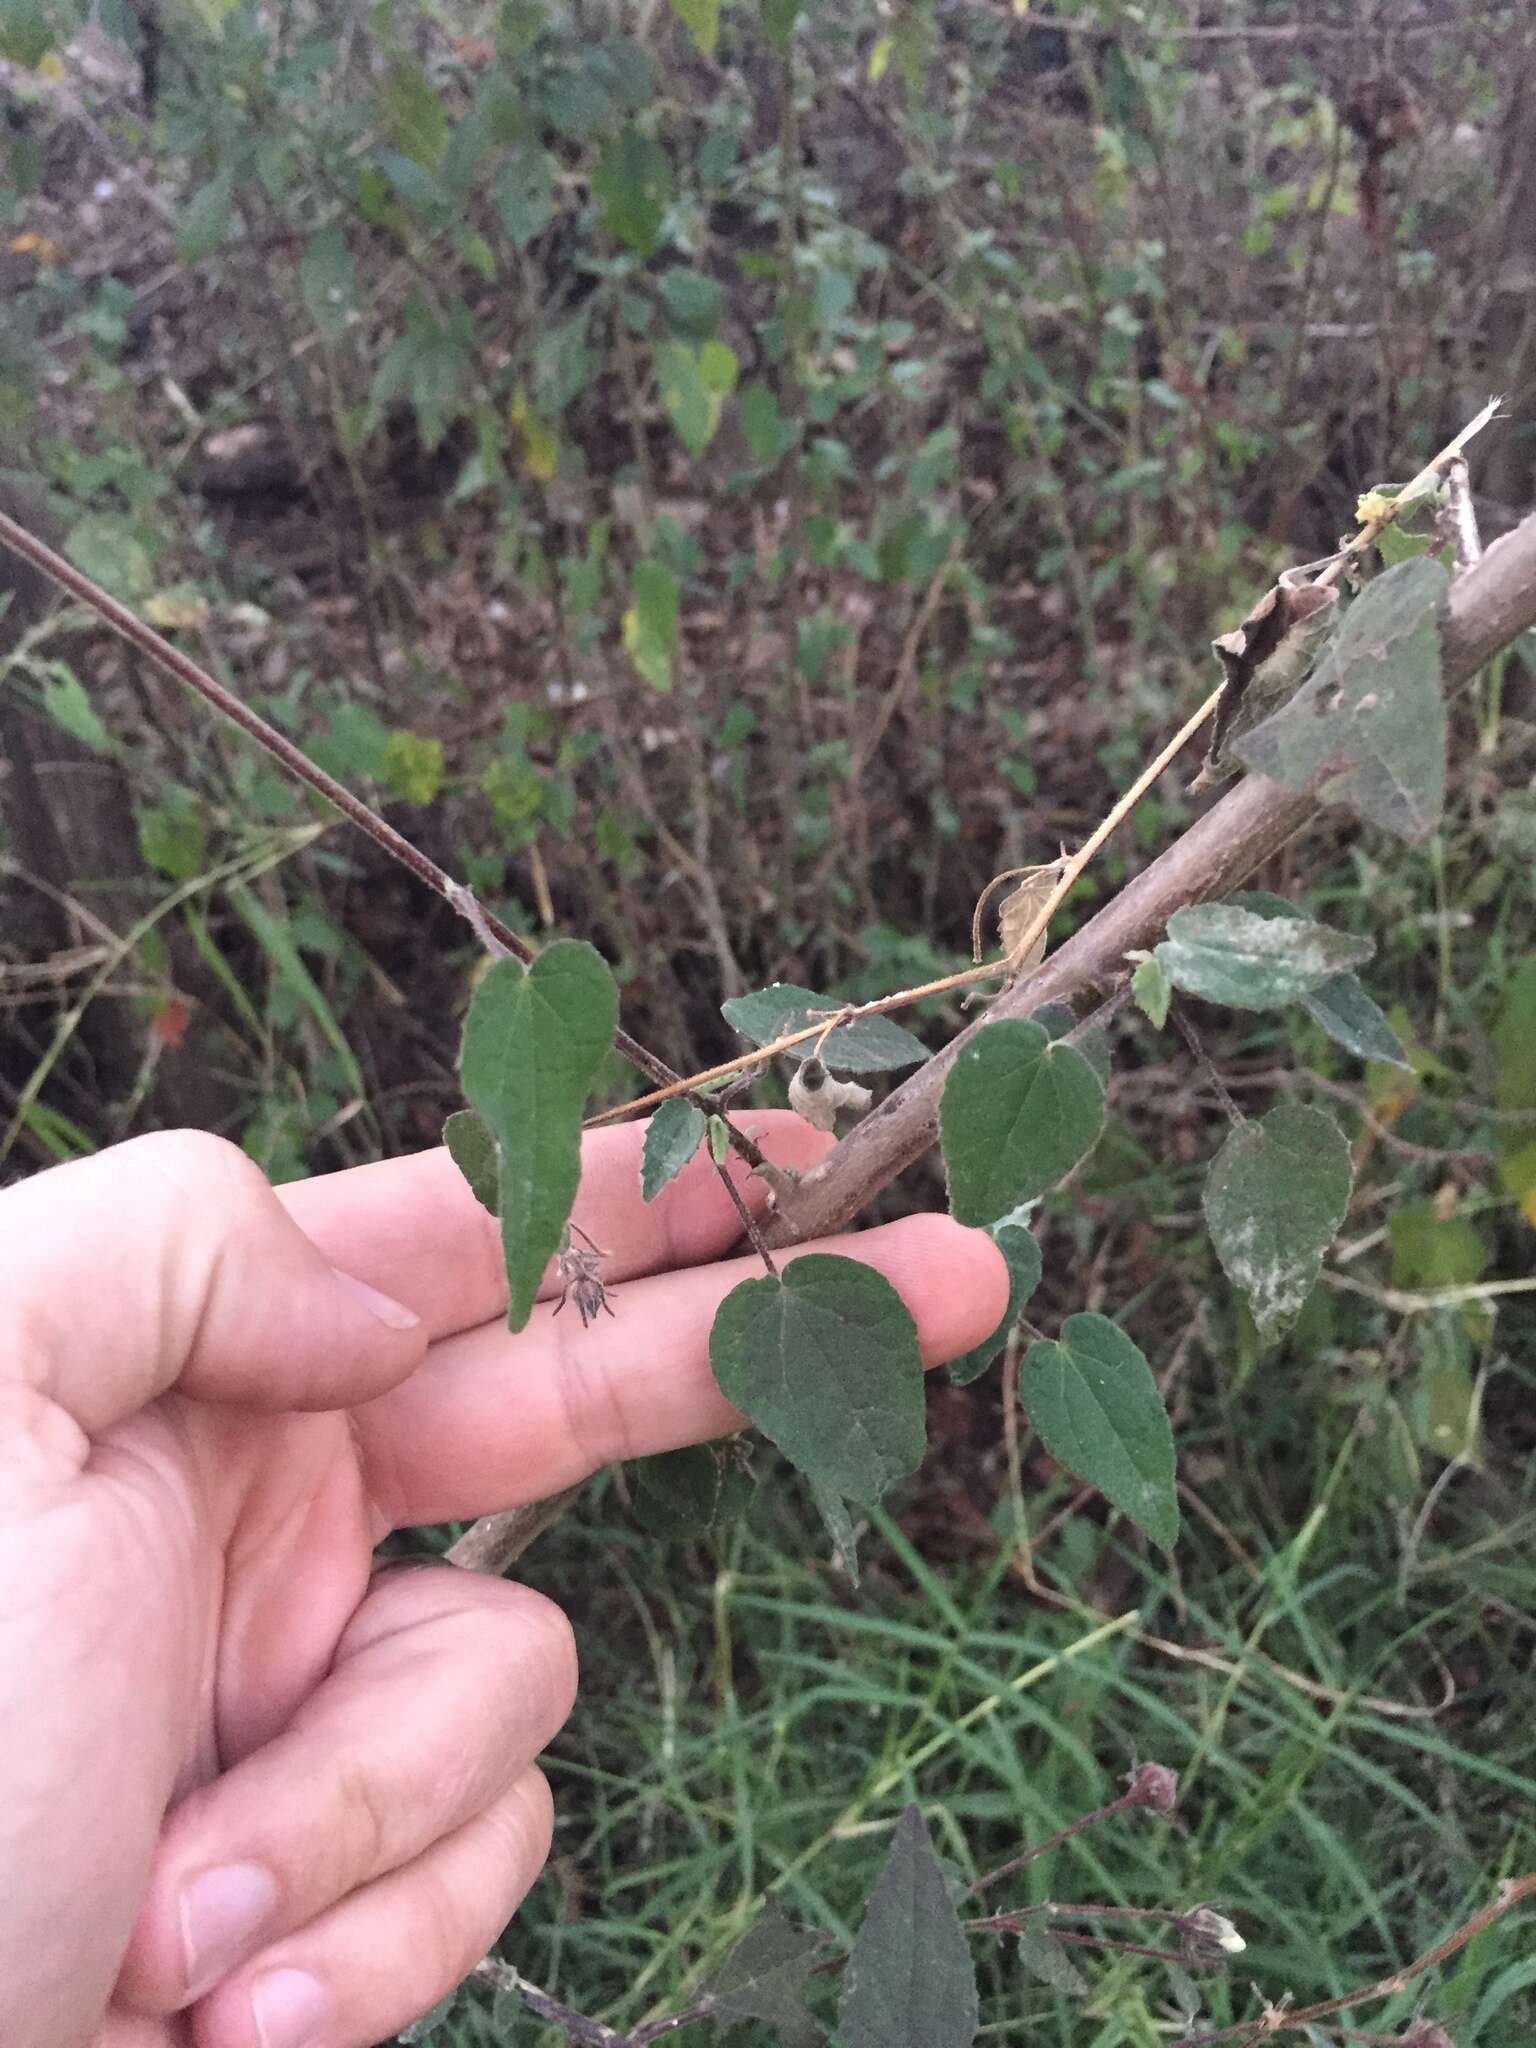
column 1340, row 1005
column 204, row 220
column 1349, row 1016
column 763, row 426
column 412, row 116
column 1368, row 726
column 66, row 703
column 1514, row 1041
column 719, row 1140
column 779, row 18
column 650, row 624
column 701, row 18
column 1152, row 992
column 173, row 839
column 719, row 367
column 1049, row 1961
column 533, row 1043
column 870, row 1045
column 1276, row 1193
column 1430, row 1250
column 687, row 398
column 328, row 280
column 420, row 2032
column 692, row 300
column 413, row 766
column 26, row 32
column 633, row 184
column 1447, row 1404
column 1018, row 1112
column 672, row 1137
column 107, row 548
column 761, row 1979
column 525, row 195
column 473, row 1151
column 823, row 1358
column 838, row 1523
column 910, row 1980
column 677, row 1493
column 1095, row 1406
column 1228, row 955
column 1019, row 1248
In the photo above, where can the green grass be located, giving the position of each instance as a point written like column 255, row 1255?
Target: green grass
column 748, row 1724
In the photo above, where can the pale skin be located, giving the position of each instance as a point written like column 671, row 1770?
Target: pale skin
column 254, row 1794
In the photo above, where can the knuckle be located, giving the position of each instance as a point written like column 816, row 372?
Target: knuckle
column 595, row 1418
column 198, row 1163
column 363, row 1837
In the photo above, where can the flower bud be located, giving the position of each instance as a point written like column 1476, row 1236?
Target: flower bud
column 1209, row 1937
column 1154, row 1785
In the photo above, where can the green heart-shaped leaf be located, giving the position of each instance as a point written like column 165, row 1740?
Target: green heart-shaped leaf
column 823, row 1357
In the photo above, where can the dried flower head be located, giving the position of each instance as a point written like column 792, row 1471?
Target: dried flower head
column 1209, row 1937
column 581, row 1279
column 1154, row 1786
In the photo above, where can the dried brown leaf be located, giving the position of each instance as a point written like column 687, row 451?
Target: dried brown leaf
column 1266, row 656
column 1018, row 911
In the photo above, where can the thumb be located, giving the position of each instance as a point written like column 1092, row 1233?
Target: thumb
column 169, row 1261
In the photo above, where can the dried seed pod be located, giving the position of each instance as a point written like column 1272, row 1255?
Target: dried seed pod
column 581, row 1280
column 1210, row 1937
column 818, row 1096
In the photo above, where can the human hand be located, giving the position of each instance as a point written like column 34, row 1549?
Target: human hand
column 251, row 1796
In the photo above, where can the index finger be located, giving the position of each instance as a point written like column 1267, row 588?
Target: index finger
column 411, row 1227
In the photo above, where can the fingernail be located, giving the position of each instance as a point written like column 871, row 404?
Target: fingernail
column 291, row 2009
column 221, row 1913
column 393, row 1314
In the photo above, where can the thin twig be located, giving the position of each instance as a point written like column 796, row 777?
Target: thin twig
column 1407, row 1303
column 1511, row 1893
column 497, row 938
column 578, row 2027
column 1207, row 1065
column 906, row 660
column 1087, row 1820
column 496, row 1542
column 1072, row 867
column 489, row 929
column 1416, row 488
column 1129, row 29
column 1486, row 609
column 748, row 1220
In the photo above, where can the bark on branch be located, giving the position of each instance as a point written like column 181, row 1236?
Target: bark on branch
column 1490, row 605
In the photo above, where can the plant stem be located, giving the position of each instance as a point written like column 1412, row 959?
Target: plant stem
column 967, row 976
column 1075, row 1827
column 493, row 934
column 1512, row 1892
column 748, row 1220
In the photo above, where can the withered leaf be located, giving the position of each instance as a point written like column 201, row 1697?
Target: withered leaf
column 1016, row 913
column 818, row 1096
column 1265, row 657
column 1368, row 727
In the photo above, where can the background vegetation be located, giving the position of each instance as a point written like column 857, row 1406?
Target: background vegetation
column 730, row 480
